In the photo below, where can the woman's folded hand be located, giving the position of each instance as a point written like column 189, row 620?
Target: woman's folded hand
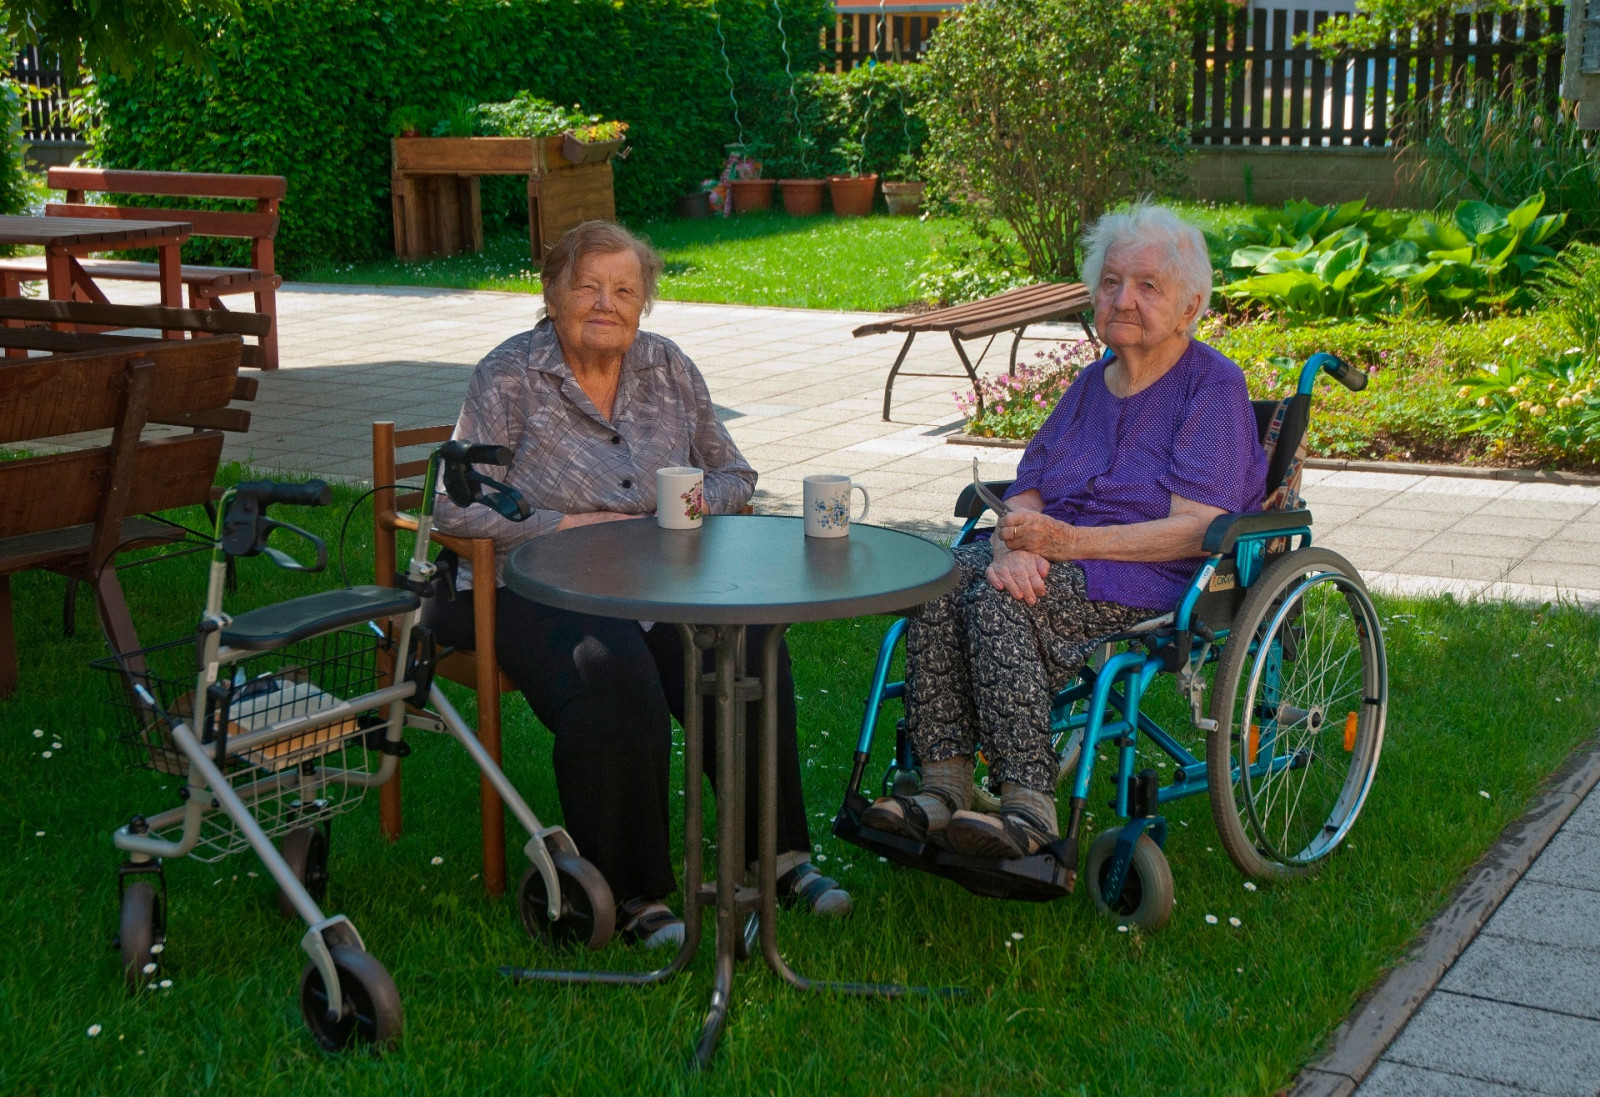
column 1020, row 574
column 1030, row 531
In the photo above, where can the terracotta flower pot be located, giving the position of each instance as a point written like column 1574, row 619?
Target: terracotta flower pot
column 852, row 194
column 752, row 194
column 801, row 197
column 904, row 199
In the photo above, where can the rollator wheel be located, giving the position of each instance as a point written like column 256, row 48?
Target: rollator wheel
column 371, row 1013
column 306, row 852
column 141, row 926
column 588, row 912
column 1146, row 899
column 1301, row 695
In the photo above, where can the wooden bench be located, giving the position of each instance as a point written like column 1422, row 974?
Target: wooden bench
column 1015, row 310
column 62, row 326
column 72, row 512
column 207, row 285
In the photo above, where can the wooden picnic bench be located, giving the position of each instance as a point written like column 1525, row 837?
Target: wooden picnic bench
column 73, row 512
column 61, row 326
column 207, row 285
column 1015, row 310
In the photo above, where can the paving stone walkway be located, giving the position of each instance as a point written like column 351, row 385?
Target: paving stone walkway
column 1519, row 1011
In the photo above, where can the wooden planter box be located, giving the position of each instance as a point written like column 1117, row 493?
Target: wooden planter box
column 435, row 195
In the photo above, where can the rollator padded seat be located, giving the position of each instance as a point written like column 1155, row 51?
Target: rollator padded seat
column 277, row 625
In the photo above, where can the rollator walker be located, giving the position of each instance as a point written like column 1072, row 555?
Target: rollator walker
column 280, row 719
column 1285, row 638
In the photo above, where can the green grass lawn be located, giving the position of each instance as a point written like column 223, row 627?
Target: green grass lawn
column 1485, row 699
column 827, row 262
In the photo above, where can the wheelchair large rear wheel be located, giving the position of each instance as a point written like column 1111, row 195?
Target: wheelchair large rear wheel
column 1299, row 699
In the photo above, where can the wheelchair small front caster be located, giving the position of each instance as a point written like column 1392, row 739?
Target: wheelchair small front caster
column 588, row 912
column 1147, row 892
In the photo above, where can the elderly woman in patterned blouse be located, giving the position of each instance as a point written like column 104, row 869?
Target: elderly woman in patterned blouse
column 1111, row 502
column 590, row 408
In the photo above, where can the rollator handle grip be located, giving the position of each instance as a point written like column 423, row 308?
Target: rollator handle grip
column 464, row 484
column 474, row 453
column 312, row 493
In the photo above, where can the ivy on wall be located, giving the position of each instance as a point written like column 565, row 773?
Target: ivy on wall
column 304, row 89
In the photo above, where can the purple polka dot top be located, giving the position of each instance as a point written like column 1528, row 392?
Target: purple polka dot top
column 1104, row 461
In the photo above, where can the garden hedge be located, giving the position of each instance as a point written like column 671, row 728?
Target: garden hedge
column 13, row 180
column 304, row 89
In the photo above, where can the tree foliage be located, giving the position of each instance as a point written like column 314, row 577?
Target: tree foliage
column 1045, row 113
column 112, row 36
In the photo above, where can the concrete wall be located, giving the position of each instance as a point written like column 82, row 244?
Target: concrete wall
column 50, row 154
column 1271, row 176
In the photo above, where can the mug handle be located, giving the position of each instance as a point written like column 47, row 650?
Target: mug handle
column 866, row 503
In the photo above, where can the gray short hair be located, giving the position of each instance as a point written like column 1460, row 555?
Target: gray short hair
column 595, row 238
column 1145, row 224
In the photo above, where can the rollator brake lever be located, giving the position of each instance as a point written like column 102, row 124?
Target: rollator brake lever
column 464, row 484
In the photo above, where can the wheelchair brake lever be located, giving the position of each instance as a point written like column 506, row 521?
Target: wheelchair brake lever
column 503, row 499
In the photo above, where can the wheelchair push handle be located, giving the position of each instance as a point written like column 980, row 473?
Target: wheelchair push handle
column 1351, row 377
column 246, row 527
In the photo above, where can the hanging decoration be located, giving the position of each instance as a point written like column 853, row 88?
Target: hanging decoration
column 801, row 142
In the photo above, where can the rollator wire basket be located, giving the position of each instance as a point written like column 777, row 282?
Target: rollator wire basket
column 289, row 779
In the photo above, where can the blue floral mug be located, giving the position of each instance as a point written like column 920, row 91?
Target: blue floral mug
column 827, row 505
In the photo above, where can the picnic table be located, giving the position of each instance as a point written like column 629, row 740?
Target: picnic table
column 1015, row 310
column 65, row 240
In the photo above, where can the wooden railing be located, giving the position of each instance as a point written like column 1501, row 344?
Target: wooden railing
column 856, row 37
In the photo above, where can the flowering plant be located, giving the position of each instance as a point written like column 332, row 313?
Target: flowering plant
column 1016, row 405
column 1550, row 397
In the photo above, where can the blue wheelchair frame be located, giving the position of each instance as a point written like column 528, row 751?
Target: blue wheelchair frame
column 1180, row 642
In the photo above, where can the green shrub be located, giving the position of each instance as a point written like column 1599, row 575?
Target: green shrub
column 1045, row 113
column 14, row 183
column 305, row 89
column 1339, row 261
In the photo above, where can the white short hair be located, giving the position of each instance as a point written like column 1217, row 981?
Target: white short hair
column 1145, row 224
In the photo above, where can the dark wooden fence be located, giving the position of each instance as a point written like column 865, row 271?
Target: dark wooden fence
column 854, row 38
column 43, row 117
column 1254, row 86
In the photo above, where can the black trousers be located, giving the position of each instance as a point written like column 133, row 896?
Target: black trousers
column 605, row 688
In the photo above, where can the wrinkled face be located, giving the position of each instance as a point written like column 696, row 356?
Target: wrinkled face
column 599, row 312
column 1137, row 306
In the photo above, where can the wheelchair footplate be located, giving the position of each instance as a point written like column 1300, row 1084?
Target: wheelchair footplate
column 1049, row 874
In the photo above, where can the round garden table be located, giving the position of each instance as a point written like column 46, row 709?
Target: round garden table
column 735, row 571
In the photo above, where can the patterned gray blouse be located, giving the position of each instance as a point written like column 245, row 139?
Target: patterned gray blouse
column 568, row 459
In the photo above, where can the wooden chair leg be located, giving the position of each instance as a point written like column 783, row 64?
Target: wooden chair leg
column 389, row 820
column 494, row 816
column 8, row 641
column 267, row 302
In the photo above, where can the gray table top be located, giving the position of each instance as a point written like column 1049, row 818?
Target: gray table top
column 735, row 569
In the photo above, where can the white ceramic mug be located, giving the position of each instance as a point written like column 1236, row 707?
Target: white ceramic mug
column 827, row 505
column 680, row 501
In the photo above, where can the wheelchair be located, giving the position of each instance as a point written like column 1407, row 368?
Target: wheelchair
column 1286, row 639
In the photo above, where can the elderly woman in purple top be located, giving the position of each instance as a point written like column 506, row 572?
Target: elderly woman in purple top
column 590, row 408
column 1111, row 502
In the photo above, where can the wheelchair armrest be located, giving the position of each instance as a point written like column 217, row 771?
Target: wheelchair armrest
column 968, row 505
column 1226, row 529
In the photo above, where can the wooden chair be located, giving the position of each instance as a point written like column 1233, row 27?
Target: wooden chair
column 71, row 512
column 478, row 669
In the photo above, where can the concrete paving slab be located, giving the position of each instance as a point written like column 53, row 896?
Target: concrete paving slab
column 1457, row 542
column 1399, row 1080
column 1571, row 861
column 1509, row 970
column 1566, row 576
column 1586, row 819
column 1453, row 565
column 1500, row 525
column 1543, row 913
column 1498, row 1042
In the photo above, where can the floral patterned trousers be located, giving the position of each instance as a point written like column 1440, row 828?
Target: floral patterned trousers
column 982, row 667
